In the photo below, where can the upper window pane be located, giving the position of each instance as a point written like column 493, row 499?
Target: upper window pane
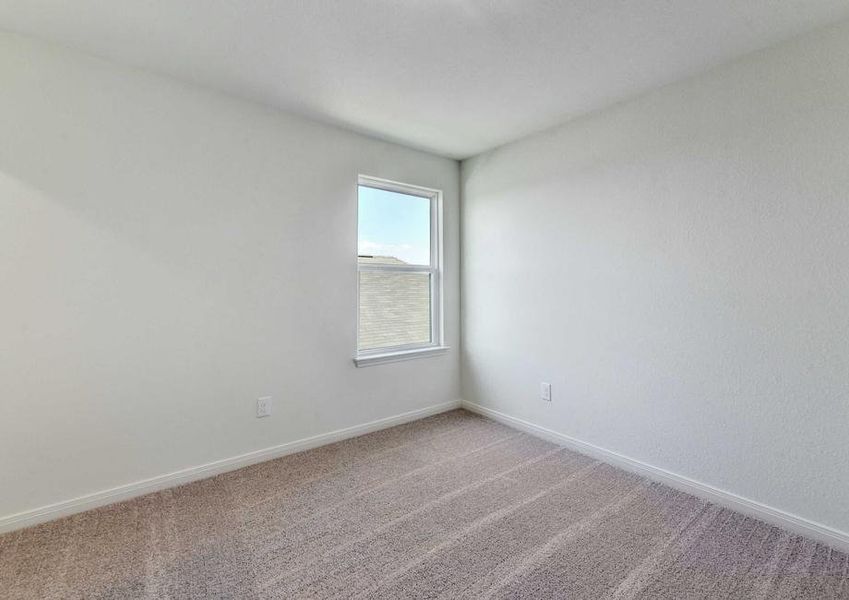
column 394, row 228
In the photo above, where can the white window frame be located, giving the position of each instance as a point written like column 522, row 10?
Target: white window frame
column 436, row 346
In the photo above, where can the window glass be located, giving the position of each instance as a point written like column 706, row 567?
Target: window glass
column 394, row 309
column 398, row 264
column 394, row 228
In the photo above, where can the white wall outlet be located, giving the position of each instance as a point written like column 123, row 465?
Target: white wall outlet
column 545, row 391
column 263, row 407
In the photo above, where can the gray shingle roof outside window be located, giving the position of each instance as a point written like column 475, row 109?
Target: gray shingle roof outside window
column 394, row 306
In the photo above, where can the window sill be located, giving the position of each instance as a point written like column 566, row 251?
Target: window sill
column 378, row 359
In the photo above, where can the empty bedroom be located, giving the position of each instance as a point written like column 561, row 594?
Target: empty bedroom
column 436, row 299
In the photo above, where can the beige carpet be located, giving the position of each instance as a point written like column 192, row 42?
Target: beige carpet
column 453, row 506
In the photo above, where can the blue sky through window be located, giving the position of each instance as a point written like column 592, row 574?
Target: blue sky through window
column 393, row 224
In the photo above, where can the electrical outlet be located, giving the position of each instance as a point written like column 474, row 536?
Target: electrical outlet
column 263, row 407
column 545, row 391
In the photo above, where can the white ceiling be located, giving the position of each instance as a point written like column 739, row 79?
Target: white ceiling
column 452, row 76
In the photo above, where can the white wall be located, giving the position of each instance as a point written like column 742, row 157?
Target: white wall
column 677, row 267
column 167, row 255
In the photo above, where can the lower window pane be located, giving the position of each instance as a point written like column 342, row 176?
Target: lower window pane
column 394, row 309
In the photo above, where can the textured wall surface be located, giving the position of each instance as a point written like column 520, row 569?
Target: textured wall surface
column 677, row 267
column 394, row 308
column 168, row 255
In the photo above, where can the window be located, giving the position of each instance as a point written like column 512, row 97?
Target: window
column 399, row 279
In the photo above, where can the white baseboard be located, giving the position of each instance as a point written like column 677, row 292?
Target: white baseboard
column 799, row 525
column 161, row 482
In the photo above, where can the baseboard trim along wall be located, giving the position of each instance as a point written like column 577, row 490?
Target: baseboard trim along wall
column 154, row 484
column 816, row 531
